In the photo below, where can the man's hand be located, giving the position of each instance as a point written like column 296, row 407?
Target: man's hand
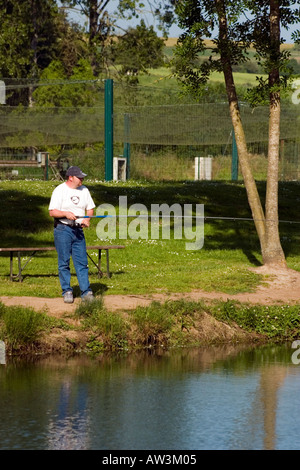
column 70, row 215
column 85, row 222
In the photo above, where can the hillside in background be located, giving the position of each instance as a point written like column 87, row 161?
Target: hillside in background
column 251, row 65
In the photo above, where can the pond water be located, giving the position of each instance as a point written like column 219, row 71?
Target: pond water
column 205, row 398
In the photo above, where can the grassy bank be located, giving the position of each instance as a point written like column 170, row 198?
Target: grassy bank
column 93, row 329
column 149, row 266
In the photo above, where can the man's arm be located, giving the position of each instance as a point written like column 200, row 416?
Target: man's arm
column 62, row 214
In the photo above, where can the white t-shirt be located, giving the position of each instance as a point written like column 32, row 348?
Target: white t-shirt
column 77, row 200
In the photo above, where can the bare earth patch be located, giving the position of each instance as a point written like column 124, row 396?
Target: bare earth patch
column 279, row 287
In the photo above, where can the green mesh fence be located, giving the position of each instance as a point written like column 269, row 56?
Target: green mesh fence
column 42, row 127
column 199, row 124
column 160, row 135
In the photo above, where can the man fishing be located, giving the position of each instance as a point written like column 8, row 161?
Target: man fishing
column 70, row 201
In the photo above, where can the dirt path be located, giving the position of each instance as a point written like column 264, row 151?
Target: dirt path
column 281, row 287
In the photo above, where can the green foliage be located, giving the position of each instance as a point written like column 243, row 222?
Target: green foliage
column 28, row 42
column 153, row 319
column 14, row 38
column 155, row 322
column 72, row 93
column 274, row 321
column 138, row 50
column 294, row 64
column 182, row 311
column 94, row 346
column 113, row 327
column 71, row 44
column 232, row 34
column 2, row 310
column 108, row 326
column 21, row 326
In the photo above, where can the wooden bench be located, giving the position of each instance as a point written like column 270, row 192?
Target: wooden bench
column 34, row 250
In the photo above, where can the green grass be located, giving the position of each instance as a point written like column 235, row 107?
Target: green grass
column 108, row 329
column 161, row 78
column 274, row 321
column 147, row 266
column 21, row 327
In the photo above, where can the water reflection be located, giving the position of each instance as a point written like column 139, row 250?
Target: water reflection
column 271, row 380
column 69, row 428
column 213, row 398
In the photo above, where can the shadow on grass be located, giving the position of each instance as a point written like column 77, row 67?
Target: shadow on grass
column 24, row 212
column 225, row 205
column 226, row 208
column 97, row 288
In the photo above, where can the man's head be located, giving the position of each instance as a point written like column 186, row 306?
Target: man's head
column 75, row 171
column 75, row 177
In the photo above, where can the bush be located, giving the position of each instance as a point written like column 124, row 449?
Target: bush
column 107, row 325
column 152, row 322
column 22, row 326
column 113, row 327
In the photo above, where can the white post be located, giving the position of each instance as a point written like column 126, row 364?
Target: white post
column 119, row 169
column 203, row 168
column 2, row 92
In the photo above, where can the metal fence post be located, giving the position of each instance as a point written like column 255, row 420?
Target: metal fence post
column 109, row 139
column 234, row 159
column 127, row 144
column 46, row 166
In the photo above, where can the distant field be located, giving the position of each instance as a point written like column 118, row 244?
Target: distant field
column 170, row 42
column 240, row 78
column 162, row 77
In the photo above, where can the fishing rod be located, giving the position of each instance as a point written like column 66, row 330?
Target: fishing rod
column 247, row 219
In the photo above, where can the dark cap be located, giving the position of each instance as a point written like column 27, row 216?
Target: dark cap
column 75, row 171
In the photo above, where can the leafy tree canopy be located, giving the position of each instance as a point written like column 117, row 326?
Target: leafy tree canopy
column 64, row 91
column 138, row 50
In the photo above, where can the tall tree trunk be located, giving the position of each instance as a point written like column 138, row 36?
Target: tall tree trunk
column 251, row 188
column 93, row 32
column 273, row 254
column 266, row 224
column 93, row 19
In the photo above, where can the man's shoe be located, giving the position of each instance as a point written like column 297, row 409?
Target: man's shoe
column 89, row 296
column 68, row 297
